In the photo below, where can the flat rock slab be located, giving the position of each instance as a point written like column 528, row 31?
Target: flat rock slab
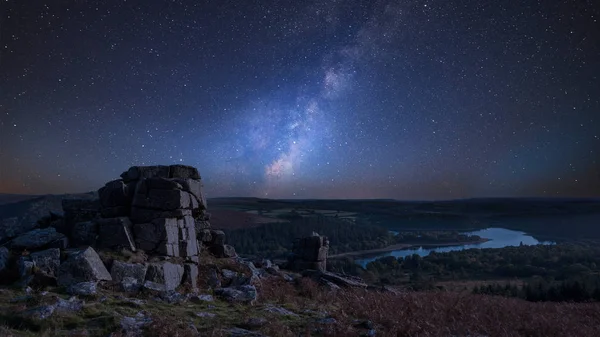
column 38, row 238
column 82, row 266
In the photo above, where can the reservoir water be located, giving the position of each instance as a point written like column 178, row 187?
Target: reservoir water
column 498, row 238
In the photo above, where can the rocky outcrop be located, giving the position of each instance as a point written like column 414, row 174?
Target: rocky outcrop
column 160, row 210
column 309, row 253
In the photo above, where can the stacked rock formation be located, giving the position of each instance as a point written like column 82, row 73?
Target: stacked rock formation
column 158, row 209
column 310, row 253
column 163, row 208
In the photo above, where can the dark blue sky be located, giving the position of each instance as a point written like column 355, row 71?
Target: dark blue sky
column 308, row 99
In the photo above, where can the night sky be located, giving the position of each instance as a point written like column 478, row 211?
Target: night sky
column 304, row 99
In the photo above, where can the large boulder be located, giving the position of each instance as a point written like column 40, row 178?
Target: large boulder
column 164, row 276
column 115, row 233
column 82, row 266
column 38, row 239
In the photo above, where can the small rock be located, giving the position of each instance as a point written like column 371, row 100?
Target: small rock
column 130, row 284
column 173, row 297
column 328, row 320
column 72, row 304
column 83, row 288
column 256, row 322
column 230, row 274
column 201, row 298
column 205, row 314
column 279, row 311
column 235, row 332
column 132, row 326
column 242, row 294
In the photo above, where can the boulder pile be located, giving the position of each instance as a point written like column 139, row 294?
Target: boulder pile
column 160, row 210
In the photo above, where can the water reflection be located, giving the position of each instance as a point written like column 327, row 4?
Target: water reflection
column 499, row 238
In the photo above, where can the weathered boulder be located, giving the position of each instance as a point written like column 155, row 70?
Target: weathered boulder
column 115, row 233
column 84, row 234
column 82, row 266
column 47, row 261
column 163, row 276
column 39, row 238
column 121, row 270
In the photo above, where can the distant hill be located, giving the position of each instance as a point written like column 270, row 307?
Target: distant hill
column 6, row 198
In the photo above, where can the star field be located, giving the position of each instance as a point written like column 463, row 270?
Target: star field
column 304, row 99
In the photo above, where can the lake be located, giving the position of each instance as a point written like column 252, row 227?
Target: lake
column 499, row 238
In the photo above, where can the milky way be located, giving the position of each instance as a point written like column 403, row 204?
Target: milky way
column 307, row 99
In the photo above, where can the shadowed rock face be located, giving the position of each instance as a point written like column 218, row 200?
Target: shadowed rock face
column 310, row 253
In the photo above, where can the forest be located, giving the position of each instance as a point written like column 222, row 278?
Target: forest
column 275, row 239
column 564, row 272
